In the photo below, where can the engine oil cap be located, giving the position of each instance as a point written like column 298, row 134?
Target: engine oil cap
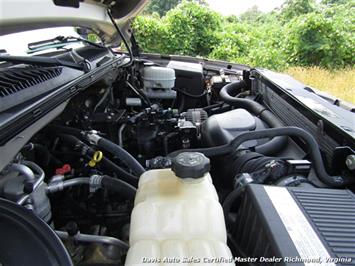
column 190, row 165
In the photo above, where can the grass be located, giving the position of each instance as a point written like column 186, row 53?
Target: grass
column 339, row 83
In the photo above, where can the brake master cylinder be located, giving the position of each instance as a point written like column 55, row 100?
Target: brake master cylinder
column 177, row 215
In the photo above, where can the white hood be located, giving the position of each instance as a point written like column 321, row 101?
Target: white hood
column 23, row 15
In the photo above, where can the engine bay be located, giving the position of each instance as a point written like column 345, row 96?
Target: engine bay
column 124, row 141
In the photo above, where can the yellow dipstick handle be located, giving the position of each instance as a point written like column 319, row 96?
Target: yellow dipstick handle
column 97, row 157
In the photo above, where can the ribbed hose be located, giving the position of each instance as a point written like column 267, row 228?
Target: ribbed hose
column 227, row 95
column 316, row 158
column 122, row 155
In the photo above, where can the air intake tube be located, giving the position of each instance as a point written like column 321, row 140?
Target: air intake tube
column 315, row 155
column 227, row 95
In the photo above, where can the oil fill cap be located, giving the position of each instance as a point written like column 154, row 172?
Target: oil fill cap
column 190, row 165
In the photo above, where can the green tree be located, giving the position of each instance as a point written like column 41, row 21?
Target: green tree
column 192, row 29
column 151, row 33
column 315, row 39
column 335, row 2
column 233, row 42
column 252, row 15
column 295, row 8
column 231, row 19
column 161, row 7
column 300, row 33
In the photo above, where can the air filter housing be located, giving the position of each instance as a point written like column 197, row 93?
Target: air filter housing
column 297, row 226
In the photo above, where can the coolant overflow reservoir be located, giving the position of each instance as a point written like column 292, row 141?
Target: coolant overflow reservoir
column 177, row 215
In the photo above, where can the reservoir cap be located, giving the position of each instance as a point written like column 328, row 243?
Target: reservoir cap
column 190, row 165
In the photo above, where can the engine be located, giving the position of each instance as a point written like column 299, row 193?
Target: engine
column 175, row 162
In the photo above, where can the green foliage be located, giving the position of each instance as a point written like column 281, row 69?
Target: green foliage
column 335, row 2
column 253, row 15
column 151, row 33
column 322, row 38
column 233, row 42
column 301, row 33
column 161, row 7
column 92, row 37
column 296, row 8
column 310, row 39
column 192, row 29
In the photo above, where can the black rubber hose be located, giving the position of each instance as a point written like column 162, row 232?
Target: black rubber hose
column 46, row 156
column 229, row 200
column 275, row 144
column 123, row 188
column 140, row 94
column 316, row 157
column 121, row 173
column 227, row 95
column 189, row 94
column 65, row 130
column 121, row 154
column 216, row 105
column 209, row 152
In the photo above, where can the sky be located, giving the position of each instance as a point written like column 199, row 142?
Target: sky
column 236, row 7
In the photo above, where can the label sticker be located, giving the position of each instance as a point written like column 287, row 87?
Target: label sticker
column 309, row 246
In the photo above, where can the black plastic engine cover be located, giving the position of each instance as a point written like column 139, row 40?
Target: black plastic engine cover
column 220, row 129
column 189, row 78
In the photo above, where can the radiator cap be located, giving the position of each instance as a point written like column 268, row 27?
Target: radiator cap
column 190, row 165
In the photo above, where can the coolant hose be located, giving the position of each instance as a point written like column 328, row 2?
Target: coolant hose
column 122, row 155
column 316, row 157
column 121, row 173
column 106, row 182
column 227, row 92
column 227, row 95
column 85, row 238
column 119, row 186
column 228, row 202
column 75, row 182
column 65, row 130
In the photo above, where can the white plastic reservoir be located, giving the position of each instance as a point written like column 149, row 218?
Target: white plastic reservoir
column 178, row 218
column 158, row 77
column 158, row 82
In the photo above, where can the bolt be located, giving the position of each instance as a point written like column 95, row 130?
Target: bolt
column 28, row 187
column 350, row 161
column 72, row 228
